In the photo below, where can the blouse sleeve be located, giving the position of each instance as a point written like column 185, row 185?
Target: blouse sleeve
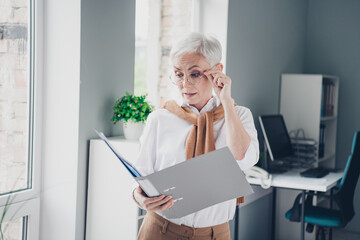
column 252, row 153
column 147, row 155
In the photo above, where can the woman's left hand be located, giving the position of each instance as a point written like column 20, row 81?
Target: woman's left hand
column 221, row 84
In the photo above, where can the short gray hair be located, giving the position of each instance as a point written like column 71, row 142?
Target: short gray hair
column 200, row 43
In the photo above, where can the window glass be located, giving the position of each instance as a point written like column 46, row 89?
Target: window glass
column 15, row 86
column 141, row 37
column 159, row 23
column 14, row 229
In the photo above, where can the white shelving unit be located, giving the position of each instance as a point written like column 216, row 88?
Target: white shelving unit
column 301, row 105
column 111, row 211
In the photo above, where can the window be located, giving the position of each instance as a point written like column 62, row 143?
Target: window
column 141, row 37
column 19, row 162
column 158, row 24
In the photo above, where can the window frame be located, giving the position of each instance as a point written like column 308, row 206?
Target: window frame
column 26, row 202
column 28, row 208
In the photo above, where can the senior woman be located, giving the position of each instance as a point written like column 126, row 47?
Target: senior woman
column 206, row 119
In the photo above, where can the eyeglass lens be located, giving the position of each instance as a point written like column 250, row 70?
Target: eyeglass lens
column 193, row 78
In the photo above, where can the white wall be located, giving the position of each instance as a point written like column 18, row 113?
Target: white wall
column 60, row 119
column 88, row 64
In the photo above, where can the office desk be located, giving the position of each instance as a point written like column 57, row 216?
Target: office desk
column 293, row 180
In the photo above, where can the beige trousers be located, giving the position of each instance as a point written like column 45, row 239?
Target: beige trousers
column 155, row 227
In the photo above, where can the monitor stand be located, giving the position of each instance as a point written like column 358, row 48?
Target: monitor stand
column 272, row 168
column 266, row 163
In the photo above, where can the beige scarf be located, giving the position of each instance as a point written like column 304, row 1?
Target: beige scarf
column 200, row 140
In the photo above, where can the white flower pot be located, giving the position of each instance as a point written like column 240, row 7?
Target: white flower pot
column 133, row 130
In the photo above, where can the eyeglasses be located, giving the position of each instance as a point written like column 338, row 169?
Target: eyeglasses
column 193, row 78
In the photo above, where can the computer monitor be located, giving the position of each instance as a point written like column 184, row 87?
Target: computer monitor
column 276, row 136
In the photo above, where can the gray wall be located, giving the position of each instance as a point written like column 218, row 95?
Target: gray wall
column 265, row 39
column 106, row 73
column 333, row 48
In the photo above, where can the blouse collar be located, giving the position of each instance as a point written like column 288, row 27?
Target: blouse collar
column 213, row 103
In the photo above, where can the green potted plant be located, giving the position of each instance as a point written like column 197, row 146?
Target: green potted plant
column 133, row 112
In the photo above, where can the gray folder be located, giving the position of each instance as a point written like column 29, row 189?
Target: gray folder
column 198, row 183
column 194, row 184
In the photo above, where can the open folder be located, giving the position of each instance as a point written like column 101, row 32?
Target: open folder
column 194, row 184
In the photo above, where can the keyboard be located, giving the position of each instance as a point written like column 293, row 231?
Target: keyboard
column 278, row 168
column 294, row 162
column 275, row 170
column 315, row 173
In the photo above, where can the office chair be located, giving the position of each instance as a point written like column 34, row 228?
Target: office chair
column 328, row 217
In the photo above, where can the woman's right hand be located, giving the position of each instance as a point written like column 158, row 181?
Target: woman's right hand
column 159, row 203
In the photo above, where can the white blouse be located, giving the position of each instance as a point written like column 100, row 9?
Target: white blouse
column 163, row 145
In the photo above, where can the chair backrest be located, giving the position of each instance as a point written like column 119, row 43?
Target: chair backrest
column 345, row 195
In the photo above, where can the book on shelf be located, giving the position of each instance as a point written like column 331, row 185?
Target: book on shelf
column 327, row 99
column 322, row 141
column 322, row 100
